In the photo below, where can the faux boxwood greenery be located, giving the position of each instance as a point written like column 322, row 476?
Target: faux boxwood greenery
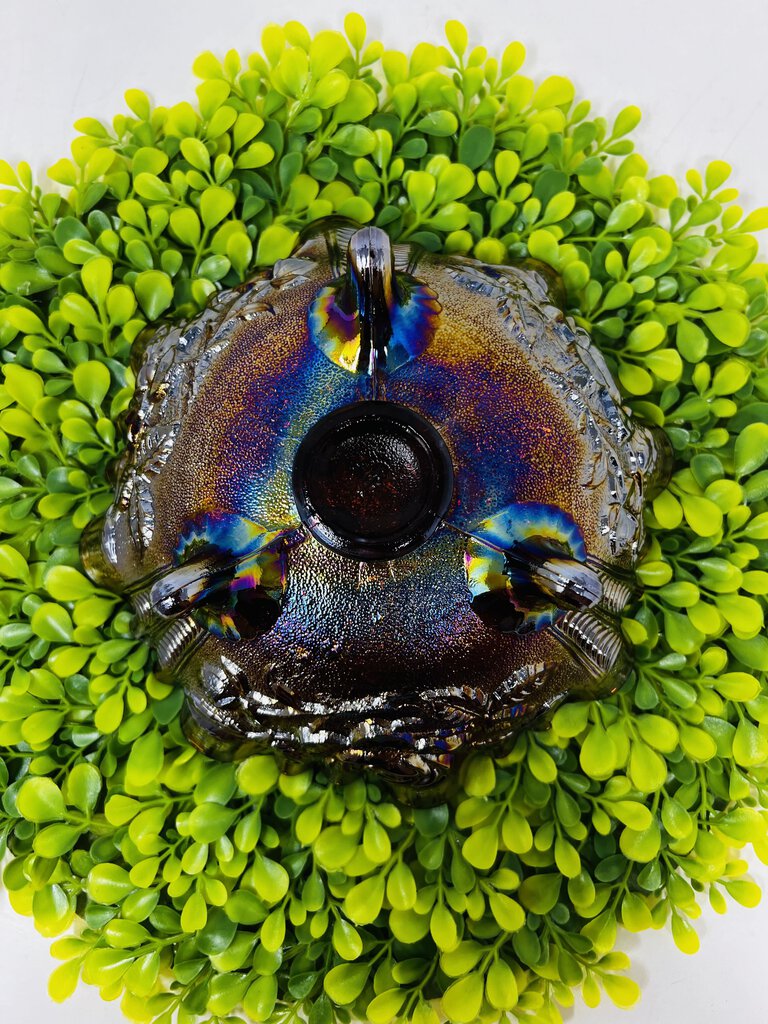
column 188, row 887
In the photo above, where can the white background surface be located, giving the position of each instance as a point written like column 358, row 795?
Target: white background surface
column 696, row 69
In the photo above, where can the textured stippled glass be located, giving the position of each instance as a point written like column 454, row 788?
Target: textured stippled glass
column 377, row 506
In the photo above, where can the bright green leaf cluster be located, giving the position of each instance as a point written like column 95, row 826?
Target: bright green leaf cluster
column 213, row 890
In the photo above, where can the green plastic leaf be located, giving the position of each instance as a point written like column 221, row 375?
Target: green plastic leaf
column 260, row 999
column 481, row 848
column 647, row 769
column 194, row 913
column 501, row 986
column 109, row 883
column 275, row 243
column 440, row 123
column 145, row 760
column 539, row 893
column 598, row 754
column 96, row 276
column 363, row 902
column 185, row 224
column 210, row 821
column 476, row 146
column 344, row 983
column 196, row 154
column 728, row 326
column 92, row 381
column 40, row 799
column 462, row 999
column 554, row 91
column 751, row 448
column 641, row 846
column 270, row 879
column 154, row 290
column 401, row 887
column 257, row 775
column 52, row 622
column 63, row 981
column 83, row 787
column 508, row 913
column 684, row 934
column 13, row 565
column 215, row 204
column 354, row 140
column 623, row 992
column 67, row 584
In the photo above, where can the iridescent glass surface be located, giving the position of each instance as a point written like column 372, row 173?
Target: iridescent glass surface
column 378, row 506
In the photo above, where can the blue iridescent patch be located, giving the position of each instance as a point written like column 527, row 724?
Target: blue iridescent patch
column 501, row 552
column 229, row 574
column 402, row 329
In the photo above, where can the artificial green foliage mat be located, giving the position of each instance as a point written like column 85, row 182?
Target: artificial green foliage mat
column 190, row 888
